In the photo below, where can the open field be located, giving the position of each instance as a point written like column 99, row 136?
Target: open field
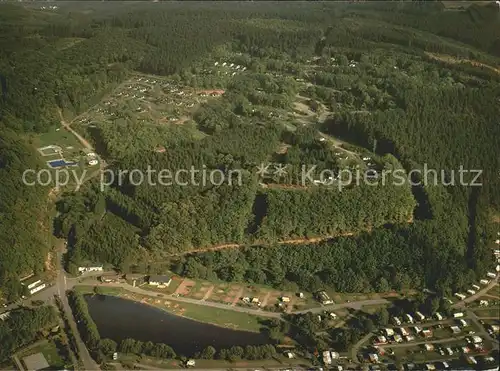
column 58, row 136
column 220, row 317
column 223, row 293
column 488, row 312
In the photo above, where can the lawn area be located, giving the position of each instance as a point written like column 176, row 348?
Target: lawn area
column 61, row 138
column 221, row 317
column 487, row 312
column 279, row 361
column 105, row 290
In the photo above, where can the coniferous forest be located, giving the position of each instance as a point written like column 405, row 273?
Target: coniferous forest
column 326, row 84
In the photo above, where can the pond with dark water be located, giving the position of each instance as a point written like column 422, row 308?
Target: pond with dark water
column 119, row 319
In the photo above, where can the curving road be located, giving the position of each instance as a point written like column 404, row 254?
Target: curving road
column 477, row 295
column 86, row 144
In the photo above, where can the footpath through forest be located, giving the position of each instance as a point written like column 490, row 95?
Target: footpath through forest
column 296, row 241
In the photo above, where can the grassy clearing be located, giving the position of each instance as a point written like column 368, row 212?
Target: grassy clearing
column 221, row 317
column 279, row 361
column 61, row 138
column 488, row 312
column 113, row 291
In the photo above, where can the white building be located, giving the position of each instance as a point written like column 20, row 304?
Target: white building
column 4, row 316
column 389, row 331
column 90, row 269
column 327, row 359
column 34, row 284
column 420, row 316
column 160, row 281
column 373, row 357
column 38, row 288
column 404, row 331
column 476, row 339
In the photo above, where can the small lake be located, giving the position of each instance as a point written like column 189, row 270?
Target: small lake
column 119, row 319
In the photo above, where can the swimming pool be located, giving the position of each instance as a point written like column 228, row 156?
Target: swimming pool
column 60, row 163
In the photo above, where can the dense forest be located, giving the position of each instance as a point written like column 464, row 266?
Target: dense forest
column 23, row 327
column 380, row 261
column 402, row 82
column 23, row 215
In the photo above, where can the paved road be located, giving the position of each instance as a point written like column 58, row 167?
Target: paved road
column 62, row 284
column 65, row 283
column 61, row 287
column 87, row 145
column 47, row 294
column 355, row 349
column 257, row 312
column 428, row 341
column 474, row 318
column 477, row 295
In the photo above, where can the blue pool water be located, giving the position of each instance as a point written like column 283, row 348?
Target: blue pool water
column 60, row 163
